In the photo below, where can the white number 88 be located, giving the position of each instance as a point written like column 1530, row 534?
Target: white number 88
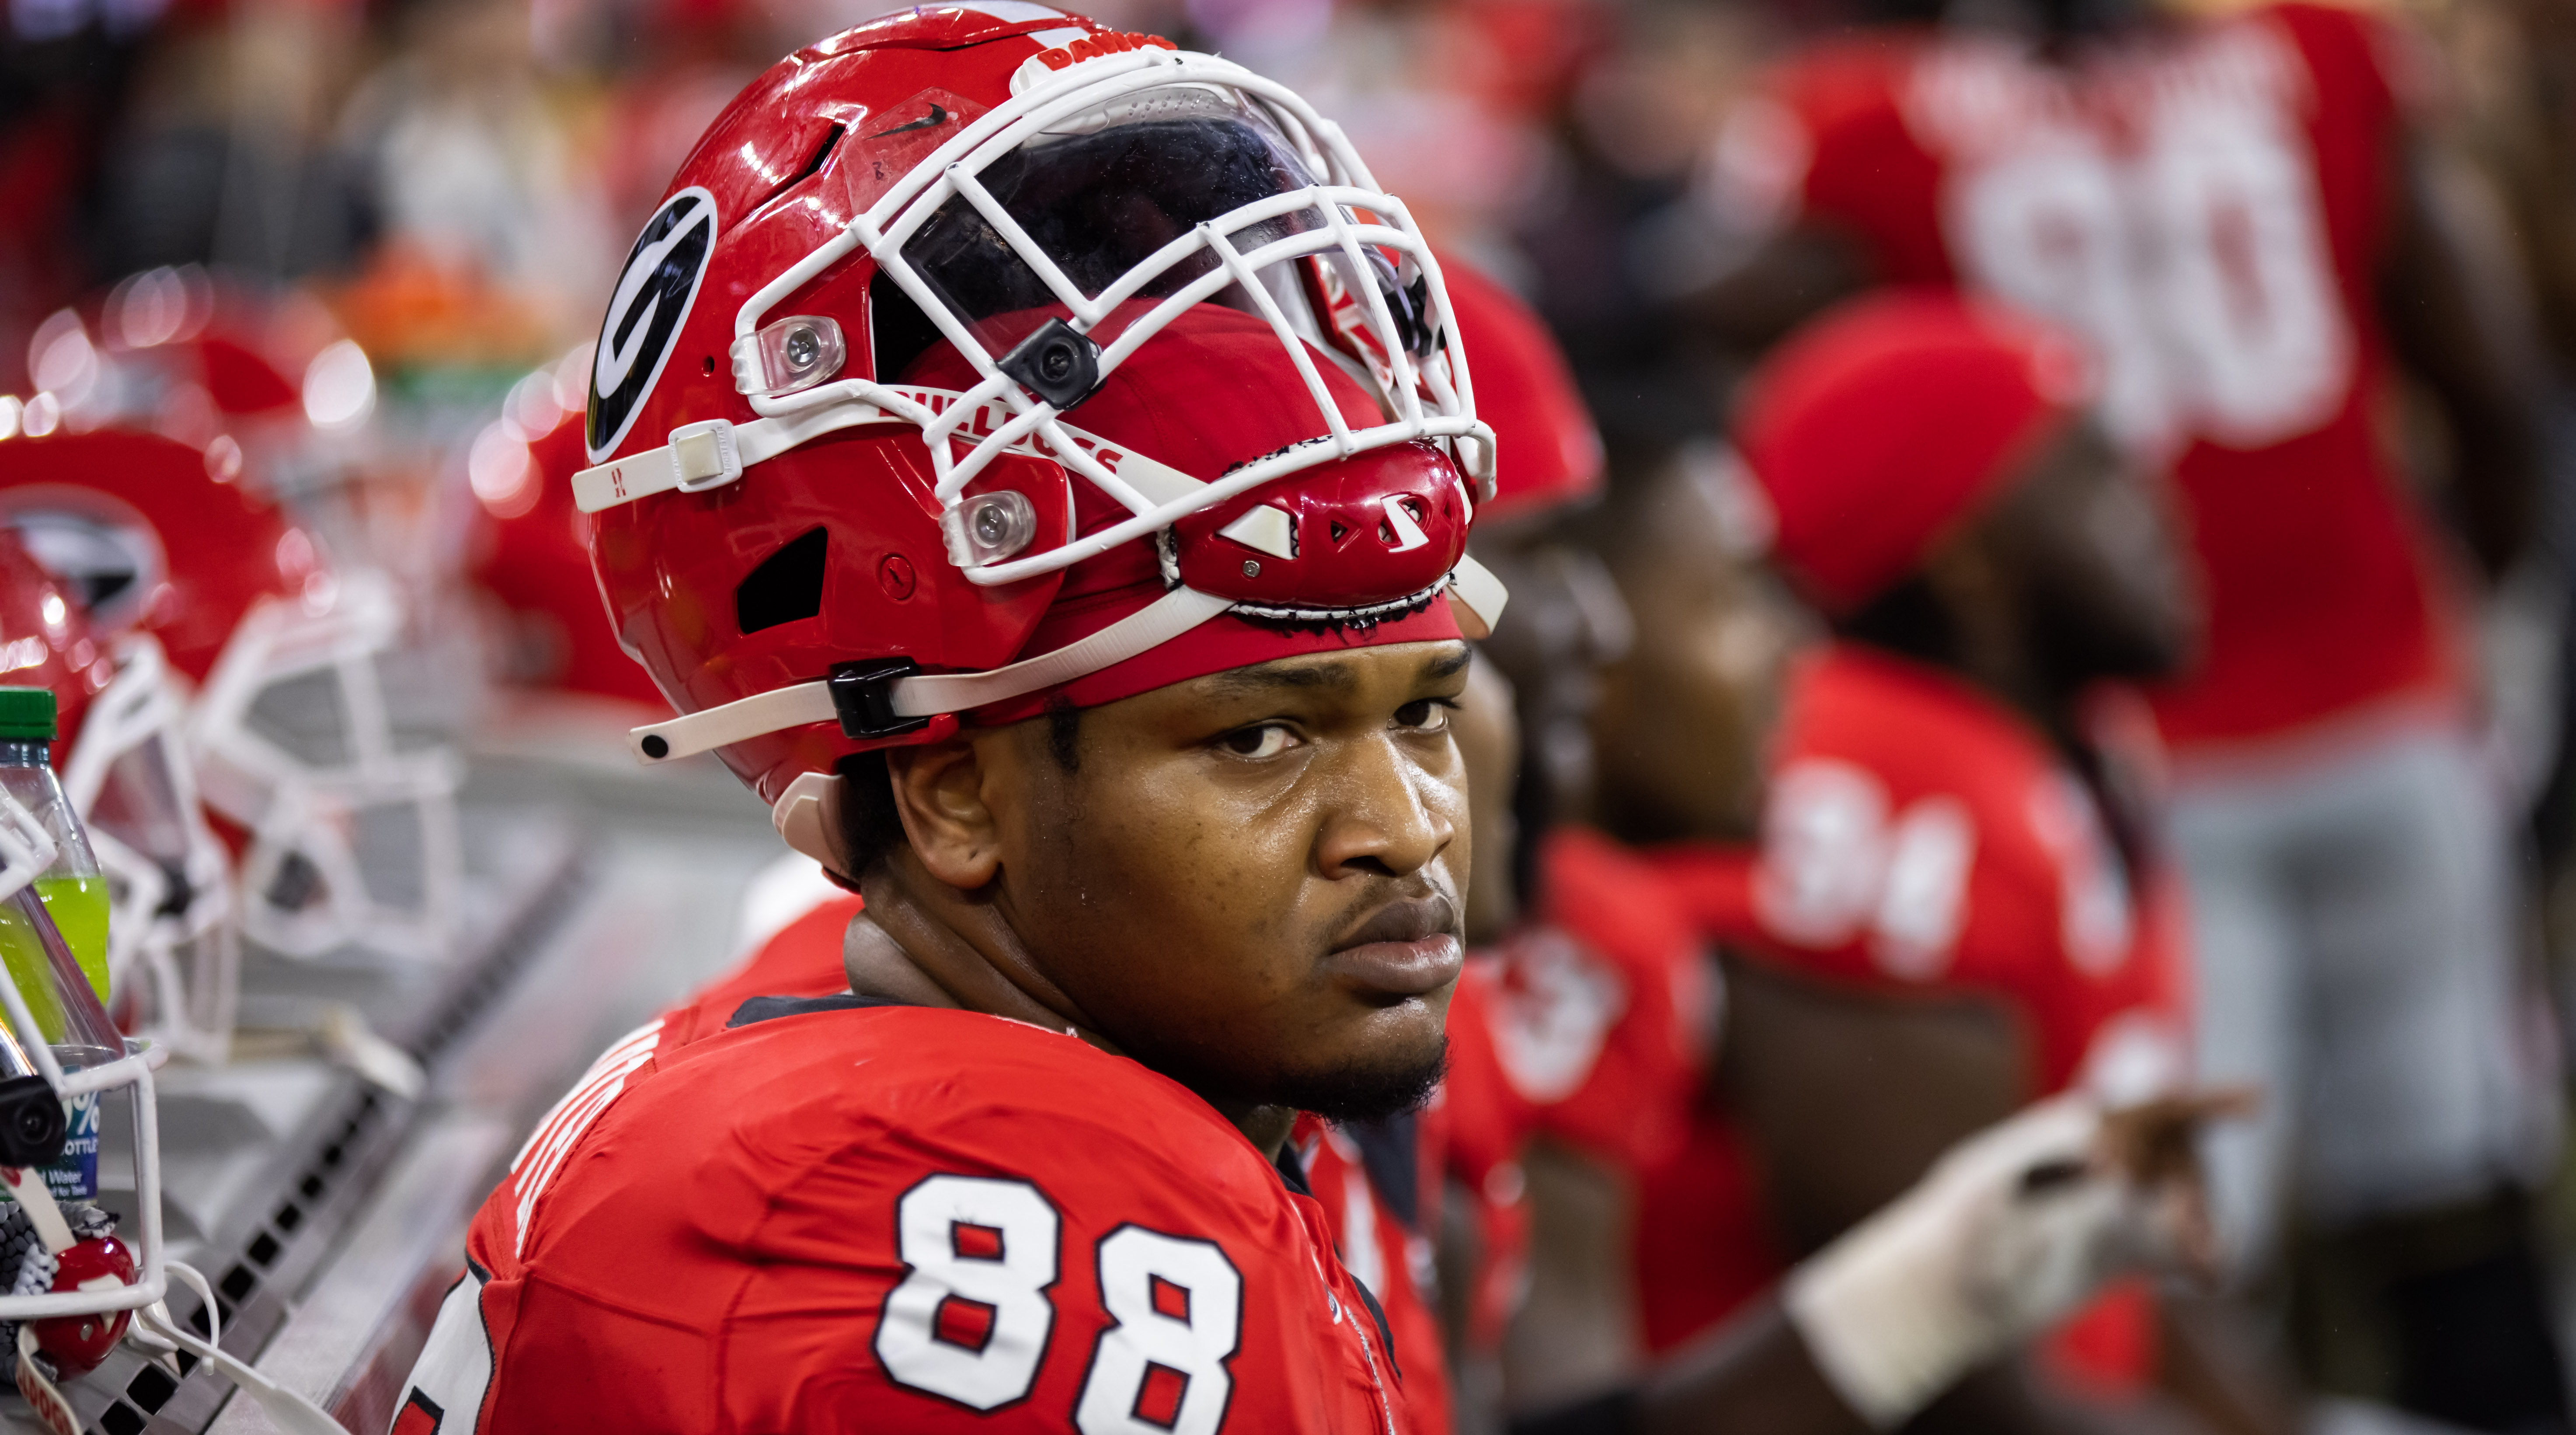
column 1191, row 1344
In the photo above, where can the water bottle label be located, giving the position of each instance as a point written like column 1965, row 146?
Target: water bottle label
column 75, row 1177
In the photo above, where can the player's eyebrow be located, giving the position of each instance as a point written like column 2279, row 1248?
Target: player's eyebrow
column 1449, row 664
column 1262, row 677
column 1334, row 676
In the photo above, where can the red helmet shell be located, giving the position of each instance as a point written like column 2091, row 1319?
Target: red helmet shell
column 45, row 641
column 833, row 551
column 149, row 541
column 801, row 150
column 535, row 562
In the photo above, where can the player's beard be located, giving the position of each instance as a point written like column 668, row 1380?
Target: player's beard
column 1370, row 1092
column 1354, row 1091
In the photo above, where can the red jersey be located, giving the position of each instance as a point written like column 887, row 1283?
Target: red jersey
column 1595, row 1017
column 1918, row 836
column 1598, row 1038
column 1592, row 1025
column 2209, row 205
column 1379, row 1185
column 1371, row 1182
column 801, row 959
column 848, row 1216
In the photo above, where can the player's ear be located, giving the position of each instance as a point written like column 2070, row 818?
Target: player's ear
column 939, row 792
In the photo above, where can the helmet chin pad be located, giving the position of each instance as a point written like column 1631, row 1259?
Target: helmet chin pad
column 1362, row 537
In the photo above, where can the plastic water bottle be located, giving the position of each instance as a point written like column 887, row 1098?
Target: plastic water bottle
column 73, row 913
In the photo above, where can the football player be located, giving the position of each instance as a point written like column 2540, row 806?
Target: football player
column 1945, row 877
column 2241, row 217
column 1039, row 461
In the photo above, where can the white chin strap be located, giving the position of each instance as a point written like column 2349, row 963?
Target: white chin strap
column 893, row 706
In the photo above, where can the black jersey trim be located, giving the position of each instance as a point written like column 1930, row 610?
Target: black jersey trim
column 1292, row 1172
column 1385, row 1332
column 1388, row 1153
column 1614, row 1412
column 760, row 1009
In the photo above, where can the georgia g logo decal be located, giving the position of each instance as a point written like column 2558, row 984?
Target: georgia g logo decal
column 645, row 313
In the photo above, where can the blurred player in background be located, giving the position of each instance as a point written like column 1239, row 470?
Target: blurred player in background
column 2239, row 219
column 1949, row 912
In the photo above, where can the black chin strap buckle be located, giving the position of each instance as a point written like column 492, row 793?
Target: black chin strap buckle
column 863, row 696
column 32, row 1123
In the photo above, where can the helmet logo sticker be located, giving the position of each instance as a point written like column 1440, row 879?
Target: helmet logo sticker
column 645, row 313
column 937, row 117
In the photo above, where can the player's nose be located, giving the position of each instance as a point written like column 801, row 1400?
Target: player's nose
column 1390, row 816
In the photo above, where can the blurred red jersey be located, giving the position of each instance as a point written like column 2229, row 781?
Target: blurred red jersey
column 2209, row 205
column 837, row 1215
column 1918, row 836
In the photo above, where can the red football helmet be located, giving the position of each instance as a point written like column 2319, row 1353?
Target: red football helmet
column 260, row 380
column 288, row 736
column 1037, row 359
column 171, row 955
column 528, row 549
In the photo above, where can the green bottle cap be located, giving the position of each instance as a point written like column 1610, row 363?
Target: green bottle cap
column 26, row 714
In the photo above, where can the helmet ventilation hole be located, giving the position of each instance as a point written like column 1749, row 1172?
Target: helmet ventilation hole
column 786, row 587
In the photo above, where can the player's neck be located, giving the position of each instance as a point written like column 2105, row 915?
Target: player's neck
column 924, row 943
column 1965, row 627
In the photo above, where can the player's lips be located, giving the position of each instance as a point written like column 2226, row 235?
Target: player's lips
column 1406, row 949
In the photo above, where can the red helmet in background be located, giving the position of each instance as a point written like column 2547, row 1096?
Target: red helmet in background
column 1548, row 452
column 120, row 750
column 528, row 548
column 287, row 733
column 256, row 378
column 981, row 355
column 45, row 642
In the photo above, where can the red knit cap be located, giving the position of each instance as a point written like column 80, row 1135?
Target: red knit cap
column 1882, row 425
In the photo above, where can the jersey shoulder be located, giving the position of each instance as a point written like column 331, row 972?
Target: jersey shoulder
column 1913, row 728
column 1592, row 1023
column 800, row 1094
column 1849, row 77
column 2362, row 69
column 1617, row 903
column 737, row 1239
column 802, row 958
column 808, row 1113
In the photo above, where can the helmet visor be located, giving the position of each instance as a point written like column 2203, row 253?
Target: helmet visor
column 1098, row 195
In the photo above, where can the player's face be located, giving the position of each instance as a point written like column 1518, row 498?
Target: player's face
column 1254, row 881
column 2093, row 550
column 1489, row 740
column 1567, row 620
column 1684, row 716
